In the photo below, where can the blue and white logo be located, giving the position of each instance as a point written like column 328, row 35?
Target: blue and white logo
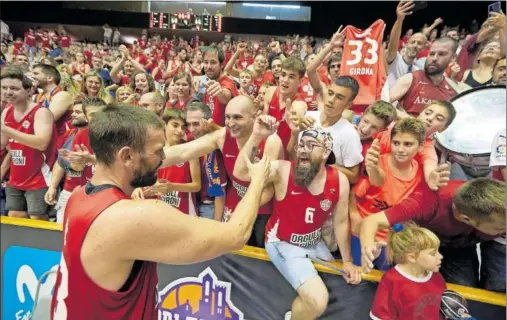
column 22, row 268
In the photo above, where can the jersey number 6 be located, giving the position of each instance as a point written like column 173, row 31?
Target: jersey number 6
column 309, row 215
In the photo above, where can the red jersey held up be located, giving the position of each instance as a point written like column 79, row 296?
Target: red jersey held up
column 218, row 109
column 403, row 297
column 363, row 57
column 299, row 217
column 422, row 91
column 76, row 296
column 236, row 189
column 30, row 168
column 183, row 201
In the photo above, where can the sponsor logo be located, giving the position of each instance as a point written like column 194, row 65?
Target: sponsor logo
column 361, row 71
column 325, row 204
column 17, row 158
column 306, row 240
column 172, row 198
column 22, row 269
column 295, row 193
column 230, row 156
column 198, row 298
column 241, row 190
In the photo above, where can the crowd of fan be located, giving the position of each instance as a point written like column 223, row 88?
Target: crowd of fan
column 52, row 86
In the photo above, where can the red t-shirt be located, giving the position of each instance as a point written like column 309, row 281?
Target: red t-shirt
column 236, row 189
column 45, row 42
column 30, row 168
column 82, row 138
column 65, row 41
column 258, row 82
column 30, row 39
column 433, row 210
column 402, row 297
column 243, row 63
column 78, row 297
column 142, row 43
column 218, row 109
column 89, row 55
column 299, row 216
column 183, row 201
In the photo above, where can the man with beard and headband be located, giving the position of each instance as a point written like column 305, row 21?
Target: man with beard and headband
column 399, row 64
column 220, row 89
column 112, row 244
column 240, row 117
column 81, row 115
column 52, row 97
column 307, row 191
column 419, row 88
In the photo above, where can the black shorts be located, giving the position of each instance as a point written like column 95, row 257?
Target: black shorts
column 30, row 201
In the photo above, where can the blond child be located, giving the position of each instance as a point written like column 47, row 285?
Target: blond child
column 413, row 288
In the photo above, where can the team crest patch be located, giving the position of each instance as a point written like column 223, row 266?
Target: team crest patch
column 325, row 204
column 203, row 297
column 26, row 124
column 501, row 151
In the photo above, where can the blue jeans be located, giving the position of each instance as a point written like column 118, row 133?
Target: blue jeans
column 493, row 266
column 380, row 263
column 460, row 266
column 207, row 210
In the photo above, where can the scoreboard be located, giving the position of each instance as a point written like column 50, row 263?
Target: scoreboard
column 185, row 21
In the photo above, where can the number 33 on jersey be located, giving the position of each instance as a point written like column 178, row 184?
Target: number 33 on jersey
column 363, row 59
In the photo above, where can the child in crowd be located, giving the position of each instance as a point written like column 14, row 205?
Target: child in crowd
column 413, row 288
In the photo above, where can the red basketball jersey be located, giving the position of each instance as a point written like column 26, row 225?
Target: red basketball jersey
column 399, row 297
column 30, row 168
column 184, row 201
column 274, row 105
column 363, row 57
column 258, row 82
column 76, row 296
column 299, row 217
column 64, row 123
column 236, row 188
column 422, row 92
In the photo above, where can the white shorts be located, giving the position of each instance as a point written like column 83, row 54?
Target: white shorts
column 292, row 261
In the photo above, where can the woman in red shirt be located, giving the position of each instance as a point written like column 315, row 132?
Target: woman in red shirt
column 178, row 184
column 197, row 66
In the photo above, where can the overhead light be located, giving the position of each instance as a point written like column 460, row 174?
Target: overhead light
column 209, row 2
column 262, row 5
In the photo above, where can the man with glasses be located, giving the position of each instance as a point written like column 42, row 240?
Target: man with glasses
column 307, row 191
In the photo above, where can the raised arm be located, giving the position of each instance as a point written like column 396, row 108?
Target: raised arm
column 265, row 126
column 115, row 71
column 192, row 150
column 229, row 68
column 151, row 230
column 427, row 31
column 336, row 41
column 403, row 9
column 43, row 131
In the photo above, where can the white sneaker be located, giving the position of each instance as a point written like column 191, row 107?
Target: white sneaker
column 288, row 315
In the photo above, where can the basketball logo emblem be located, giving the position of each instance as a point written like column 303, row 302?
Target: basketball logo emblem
column 325, row 204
